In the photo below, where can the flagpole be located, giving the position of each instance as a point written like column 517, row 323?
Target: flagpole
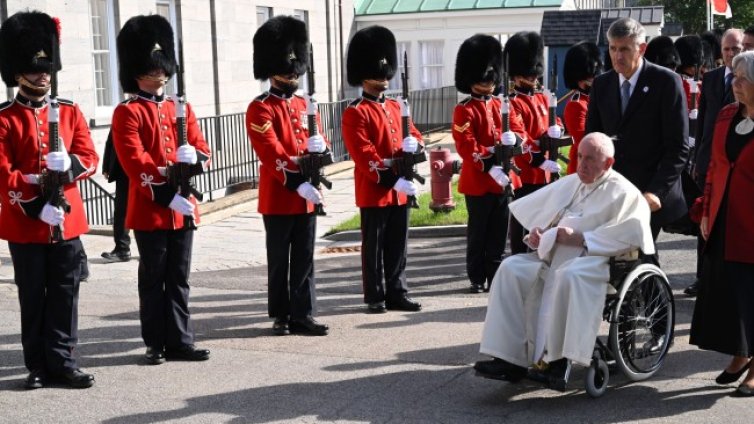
column 709, row 15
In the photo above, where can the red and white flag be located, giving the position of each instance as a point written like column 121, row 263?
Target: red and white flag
column 721, row 7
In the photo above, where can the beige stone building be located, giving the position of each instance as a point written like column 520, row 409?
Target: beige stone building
column 217, row 40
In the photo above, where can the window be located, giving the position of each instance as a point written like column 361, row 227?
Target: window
column 396, row 84
column 430, row 64
column 263, row 15
column 106, row 85
column 166, row 9
column 303, row 15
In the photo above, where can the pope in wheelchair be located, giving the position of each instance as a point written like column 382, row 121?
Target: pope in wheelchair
column 545, row 307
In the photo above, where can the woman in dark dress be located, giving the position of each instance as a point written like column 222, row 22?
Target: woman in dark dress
column 724, row 313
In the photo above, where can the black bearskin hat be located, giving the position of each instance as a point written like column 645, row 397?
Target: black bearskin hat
column 661, row 51
column 480, row 59
column 582, row 61
column 281, row 47
column 26, row 40
column 690, row 50
column 371, row 55
column 714, row 38
column 525, row 53
column 145, row 43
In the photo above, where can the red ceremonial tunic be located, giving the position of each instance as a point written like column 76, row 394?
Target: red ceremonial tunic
column 574, row 115
column 687, row 91
column 738, row 179
column 24, row 142
column 278, row 129
column 477, row 125
column 145, row 137
column 533, row 110
column 372, row 132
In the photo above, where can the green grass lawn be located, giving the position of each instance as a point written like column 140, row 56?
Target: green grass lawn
column 422, row 217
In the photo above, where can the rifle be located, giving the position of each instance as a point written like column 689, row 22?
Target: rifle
column 311, row 164
column 180, row 174
column 53, row 182
column 405, row 166
column 504, row 154
column 552, row 145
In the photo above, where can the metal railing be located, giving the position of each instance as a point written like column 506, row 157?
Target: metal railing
column 234, row 161
column 99, row 204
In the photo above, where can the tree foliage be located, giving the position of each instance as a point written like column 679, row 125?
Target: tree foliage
column 692, row 14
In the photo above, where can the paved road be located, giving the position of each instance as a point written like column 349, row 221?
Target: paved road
column 391, row 368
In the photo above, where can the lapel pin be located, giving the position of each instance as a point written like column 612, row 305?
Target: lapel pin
column 646, row 89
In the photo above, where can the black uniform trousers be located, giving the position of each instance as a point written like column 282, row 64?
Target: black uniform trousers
column 517, row 231
column 486, row 233
column 290, row 265
column 120, row 232
column 164, row 265
column 47, row 276
column 384, row 245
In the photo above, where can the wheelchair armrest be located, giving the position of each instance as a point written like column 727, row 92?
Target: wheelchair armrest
column 622, row 265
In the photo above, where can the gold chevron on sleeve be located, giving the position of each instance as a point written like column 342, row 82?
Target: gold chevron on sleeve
column 261, row 128
column 462, row 128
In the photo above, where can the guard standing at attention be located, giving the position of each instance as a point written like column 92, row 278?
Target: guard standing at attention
column 149, row 146
column 277, row 123
column 42, row 215
column 372, row 134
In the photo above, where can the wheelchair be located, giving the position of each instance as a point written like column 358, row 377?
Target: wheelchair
column 640, row 311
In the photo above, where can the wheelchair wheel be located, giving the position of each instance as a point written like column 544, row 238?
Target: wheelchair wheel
column 597, row 376
column 641, row 323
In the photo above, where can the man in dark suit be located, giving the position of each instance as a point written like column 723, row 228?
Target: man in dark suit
column 112, row 170
column 643, row 106
column 716, row 93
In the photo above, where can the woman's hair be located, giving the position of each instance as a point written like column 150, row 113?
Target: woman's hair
column 745, row 62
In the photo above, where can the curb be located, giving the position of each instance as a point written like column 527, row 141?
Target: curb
column 413, row 232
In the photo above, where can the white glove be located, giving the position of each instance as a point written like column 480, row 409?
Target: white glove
column 308, row 192
column 497, row 174
column 509, row 138
column 410, row 144
column 52, row 215
column 186, row 154
column 692, row 142
column 316, row 144
column 31, row 179
column 58, row 161
column 491, row 149
column 181, row 205
column 554, row 132
column 693, row 113
column 405, row 186
column 550, row 166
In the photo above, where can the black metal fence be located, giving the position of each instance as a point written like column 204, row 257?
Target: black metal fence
column 234, row 161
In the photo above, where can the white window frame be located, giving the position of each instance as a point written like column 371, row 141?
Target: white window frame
column 396, row 85
column 172, row 86
column 425, row 67
column 268, row 13
column 111, row 79
column 303, row 15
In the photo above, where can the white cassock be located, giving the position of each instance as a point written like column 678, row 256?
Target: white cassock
column 548, row 304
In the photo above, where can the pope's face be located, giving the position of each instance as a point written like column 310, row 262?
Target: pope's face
column 592, row 162
column 626, row 54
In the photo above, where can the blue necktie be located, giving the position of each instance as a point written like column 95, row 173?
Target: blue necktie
column 728, row 96
column 625, row 94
